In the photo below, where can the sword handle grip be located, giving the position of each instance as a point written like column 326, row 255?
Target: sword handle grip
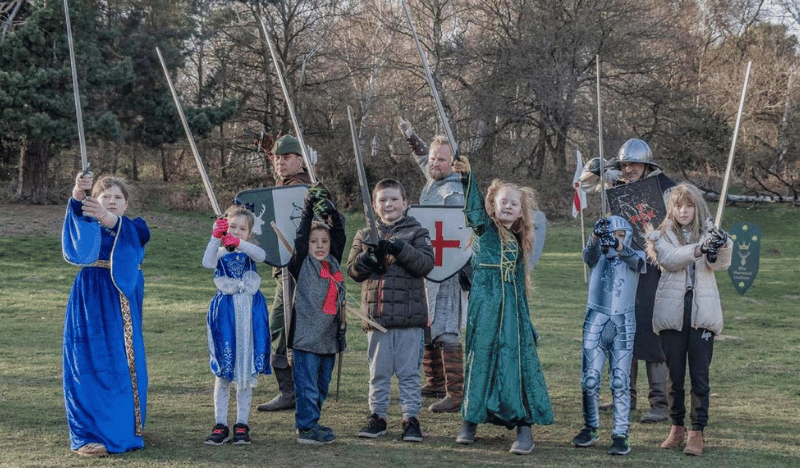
column 85, row 172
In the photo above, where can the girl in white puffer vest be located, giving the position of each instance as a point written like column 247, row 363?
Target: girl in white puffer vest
column 687, row 312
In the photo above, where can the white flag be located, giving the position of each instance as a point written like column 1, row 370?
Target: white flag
column 579, row 200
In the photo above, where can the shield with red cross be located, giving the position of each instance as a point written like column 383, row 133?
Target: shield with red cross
column 450, row 238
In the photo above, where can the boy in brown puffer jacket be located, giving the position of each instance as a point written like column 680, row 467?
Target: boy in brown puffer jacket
column 392, row 274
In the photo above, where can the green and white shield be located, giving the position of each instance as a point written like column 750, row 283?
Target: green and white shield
column 284, row 207
column 746, row 239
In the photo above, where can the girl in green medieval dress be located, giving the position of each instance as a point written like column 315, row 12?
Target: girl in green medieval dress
column 504, row 384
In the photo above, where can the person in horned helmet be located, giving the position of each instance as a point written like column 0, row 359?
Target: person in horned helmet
column 609, row 328
column 636, row 162
column 442, row 359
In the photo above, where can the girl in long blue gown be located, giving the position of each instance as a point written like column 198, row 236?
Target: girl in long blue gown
column 105, row 369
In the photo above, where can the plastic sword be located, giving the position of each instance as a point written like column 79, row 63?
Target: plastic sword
column 723, row 195
column 366, row 199
column 603, row 206
column 289, row 106
column 431, row 84
column 200, row 167
column 77, row 95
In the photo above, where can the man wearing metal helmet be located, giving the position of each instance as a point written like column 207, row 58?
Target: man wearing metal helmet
column 636, row 163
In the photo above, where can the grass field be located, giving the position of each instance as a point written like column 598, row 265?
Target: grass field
column 755, row 405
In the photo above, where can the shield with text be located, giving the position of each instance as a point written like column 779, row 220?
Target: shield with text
column 641, row 203
column 746, row 239
column 450, row 238
column 284, row 206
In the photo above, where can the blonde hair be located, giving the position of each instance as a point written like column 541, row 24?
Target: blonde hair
column 686, row 194
column 522, row 228
column 106, row 182
column 240, row 210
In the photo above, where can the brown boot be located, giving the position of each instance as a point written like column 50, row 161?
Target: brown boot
column 433, row 368
column 285, row 399
column 675, row 438
column 694, row 446
column 454, row 377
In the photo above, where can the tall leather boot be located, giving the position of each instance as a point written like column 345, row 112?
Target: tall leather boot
column 286, row 397
column 657, row 377
column 433, row 368
column 452, row 357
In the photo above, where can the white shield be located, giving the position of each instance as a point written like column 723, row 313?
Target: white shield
column 284, row 206
column 450, row 238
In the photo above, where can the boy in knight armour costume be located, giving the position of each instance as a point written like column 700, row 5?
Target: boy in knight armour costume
column 609, row 328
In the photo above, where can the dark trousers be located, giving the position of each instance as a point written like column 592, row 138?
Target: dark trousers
column 697, row 347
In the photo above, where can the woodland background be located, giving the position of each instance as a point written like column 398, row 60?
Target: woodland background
column 516, row 77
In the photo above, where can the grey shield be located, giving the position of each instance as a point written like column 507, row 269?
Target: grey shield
column 746, row 239
column 450, row 238
column 282, row 205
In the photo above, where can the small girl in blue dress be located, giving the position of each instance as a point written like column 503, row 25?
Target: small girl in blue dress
column 237, row 321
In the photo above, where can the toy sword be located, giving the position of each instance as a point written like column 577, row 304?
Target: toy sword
column 431, row 85
column 77, row 95
column 289, row 106
column 724, row 193
column 366, row 199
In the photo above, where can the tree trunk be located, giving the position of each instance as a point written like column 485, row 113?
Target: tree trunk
column 33, row 172
column 164, row 165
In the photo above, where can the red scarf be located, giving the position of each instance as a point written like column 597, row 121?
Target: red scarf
column 330, row 298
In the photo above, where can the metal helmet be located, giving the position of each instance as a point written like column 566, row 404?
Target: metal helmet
column 618, row 223
column 637, row 151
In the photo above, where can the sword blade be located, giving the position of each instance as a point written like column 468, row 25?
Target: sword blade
column 431, row 84
column 603, row 201
column 723, row 195
column 76, row 92
column 200, row 167
column 366, row 199
column 289, row 106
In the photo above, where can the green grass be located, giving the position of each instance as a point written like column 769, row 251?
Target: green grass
column 754, row 411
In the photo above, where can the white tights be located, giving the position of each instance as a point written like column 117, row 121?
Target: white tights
column 222, row 395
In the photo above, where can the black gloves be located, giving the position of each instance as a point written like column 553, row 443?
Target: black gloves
column 324, row 208
column 601, row 227
column 317, row 198
column 374, row 260
column 710, row 249
column 390, row 247
column 719, row 238
column 609, row 241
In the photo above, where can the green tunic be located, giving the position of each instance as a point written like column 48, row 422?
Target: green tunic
column 504, row 384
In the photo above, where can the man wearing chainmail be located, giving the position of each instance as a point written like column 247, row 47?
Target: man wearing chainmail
column 442, row 360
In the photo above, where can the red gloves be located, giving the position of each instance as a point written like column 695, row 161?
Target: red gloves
column 229, row 240
column 220, row 228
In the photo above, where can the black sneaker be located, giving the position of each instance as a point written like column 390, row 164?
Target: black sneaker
column 619, row 445
column 316, row 435
column 411, row 430
column 587, row 437
column 219, row 435
column 241, row 434
column 376, row 426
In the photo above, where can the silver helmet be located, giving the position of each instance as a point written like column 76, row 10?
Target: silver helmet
column 618, row 223
column 637, row 151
